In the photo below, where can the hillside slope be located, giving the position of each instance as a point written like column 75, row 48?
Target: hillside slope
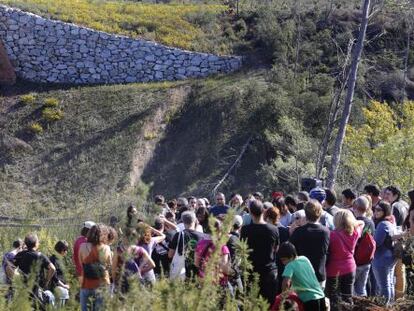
column 89, row 151
column 182, row 138
column 179, row 137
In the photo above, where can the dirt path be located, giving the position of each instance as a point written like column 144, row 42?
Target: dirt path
column 152, row 132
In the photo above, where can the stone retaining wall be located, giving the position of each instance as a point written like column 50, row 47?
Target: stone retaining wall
column 49, row 51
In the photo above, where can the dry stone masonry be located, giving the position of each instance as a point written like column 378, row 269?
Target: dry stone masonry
column 49, row 51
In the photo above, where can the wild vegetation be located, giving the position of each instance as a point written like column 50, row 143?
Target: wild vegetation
column 293, row 83
column 162, row 296
column 385, row 138
column 79, row 163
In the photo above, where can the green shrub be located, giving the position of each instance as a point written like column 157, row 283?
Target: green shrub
column 51, row 102
column 160, row 297
column 50, row 114
column 27, row 99
column 35, row 128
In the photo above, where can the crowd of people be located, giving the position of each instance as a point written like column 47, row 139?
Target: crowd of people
column 309, row 251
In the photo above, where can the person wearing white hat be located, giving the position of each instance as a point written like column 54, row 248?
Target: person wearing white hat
column 76, row 246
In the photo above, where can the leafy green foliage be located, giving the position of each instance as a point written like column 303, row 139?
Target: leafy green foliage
column 385, row 140
column 294, row 155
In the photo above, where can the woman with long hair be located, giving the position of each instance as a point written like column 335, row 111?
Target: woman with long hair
column 384, row 261
column 95, row 257
column 341, row 267
column 132, row 216
column 202, row 215
column 148, row 239
column 130, row 261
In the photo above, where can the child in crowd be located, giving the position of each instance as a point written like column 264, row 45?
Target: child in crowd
column 300, row 277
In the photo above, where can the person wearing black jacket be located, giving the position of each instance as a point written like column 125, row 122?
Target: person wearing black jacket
column 312, row 240
column 263, row 239
column 160, row 253
column 32, row 261
column 234, row 238
column 59, row 285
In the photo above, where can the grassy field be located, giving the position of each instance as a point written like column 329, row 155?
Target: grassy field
column 188, row 26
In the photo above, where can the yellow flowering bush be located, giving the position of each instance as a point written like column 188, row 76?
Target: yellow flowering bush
column 51, row 102
column 27, row 99
column 50, row 114
column 35, row 128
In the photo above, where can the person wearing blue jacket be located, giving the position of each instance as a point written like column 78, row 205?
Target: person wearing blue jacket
column 384, row 261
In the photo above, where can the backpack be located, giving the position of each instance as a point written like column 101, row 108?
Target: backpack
column 365, row 249
column 234, row 260
column 160, row 257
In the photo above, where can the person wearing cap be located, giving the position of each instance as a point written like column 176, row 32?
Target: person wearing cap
column 326, row 219
column 76, row 246
column 298, row 220
column 277, row 194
